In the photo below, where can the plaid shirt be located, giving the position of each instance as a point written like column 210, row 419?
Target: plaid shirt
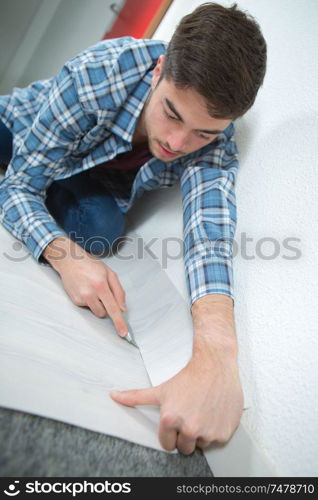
column 85, row 116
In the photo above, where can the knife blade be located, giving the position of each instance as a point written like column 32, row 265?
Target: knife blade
column 130, row 336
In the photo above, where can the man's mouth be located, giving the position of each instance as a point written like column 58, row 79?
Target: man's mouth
column 166, row 152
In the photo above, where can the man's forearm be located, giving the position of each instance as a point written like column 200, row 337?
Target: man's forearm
column 60, row 251
column 214, row 325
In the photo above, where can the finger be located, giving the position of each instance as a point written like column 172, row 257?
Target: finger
column 136, row 397
column 185, row 444
column 97, row 307
column 203, row 443
column 113, row 310
column 167, row 437
column 116, row 289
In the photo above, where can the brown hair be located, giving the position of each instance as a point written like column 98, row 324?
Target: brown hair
column 221, row 53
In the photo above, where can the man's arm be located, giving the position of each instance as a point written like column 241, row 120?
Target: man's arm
column 38, row 160
column 216, row 312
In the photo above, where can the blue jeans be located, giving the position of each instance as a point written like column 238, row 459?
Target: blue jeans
column 5, row 144
column 80, row 205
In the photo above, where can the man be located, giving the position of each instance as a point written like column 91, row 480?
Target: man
column 123, row 117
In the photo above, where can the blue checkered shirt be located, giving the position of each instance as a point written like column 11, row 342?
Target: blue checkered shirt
column 87, row 115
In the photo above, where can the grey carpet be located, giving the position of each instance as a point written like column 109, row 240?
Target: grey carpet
column 32, row 446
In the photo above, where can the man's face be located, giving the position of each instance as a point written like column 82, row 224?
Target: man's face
column 176, row 121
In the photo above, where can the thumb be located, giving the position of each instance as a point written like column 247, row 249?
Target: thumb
column 136, row 397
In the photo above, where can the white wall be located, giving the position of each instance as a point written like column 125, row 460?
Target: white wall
column 40, row 36
column 16, row 16
column 77, row 24
column 277, row 198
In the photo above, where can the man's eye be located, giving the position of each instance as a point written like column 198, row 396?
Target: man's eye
column 206, row 137
column 170, row 116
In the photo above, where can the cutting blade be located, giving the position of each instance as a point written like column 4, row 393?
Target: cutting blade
column 130, row 336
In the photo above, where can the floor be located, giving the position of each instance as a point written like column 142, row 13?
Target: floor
column 32, row 446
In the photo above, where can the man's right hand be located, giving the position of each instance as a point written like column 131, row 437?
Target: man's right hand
column 88, row 281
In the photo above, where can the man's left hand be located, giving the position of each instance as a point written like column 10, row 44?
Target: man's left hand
column 202, row 403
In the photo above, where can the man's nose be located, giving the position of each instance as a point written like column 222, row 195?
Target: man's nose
column 177, row 142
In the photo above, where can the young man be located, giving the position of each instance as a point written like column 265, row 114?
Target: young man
column 124, row 117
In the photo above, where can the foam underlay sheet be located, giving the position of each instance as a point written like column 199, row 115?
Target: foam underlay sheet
column 60, row 361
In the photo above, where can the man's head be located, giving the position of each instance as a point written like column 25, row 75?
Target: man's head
column 209, row 76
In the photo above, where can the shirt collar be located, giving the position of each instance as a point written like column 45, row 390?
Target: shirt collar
column 125, row 121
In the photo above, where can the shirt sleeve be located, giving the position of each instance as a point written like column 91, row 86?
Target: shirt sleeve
column 39, row 158
column 209, row 221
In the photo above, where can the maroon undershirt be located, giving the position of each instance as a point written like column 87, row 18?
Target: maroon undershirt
column 133, row 159
column 118, row 174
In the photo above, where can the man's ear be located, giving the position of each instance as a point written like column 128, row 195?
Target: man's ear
column 157, row 71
